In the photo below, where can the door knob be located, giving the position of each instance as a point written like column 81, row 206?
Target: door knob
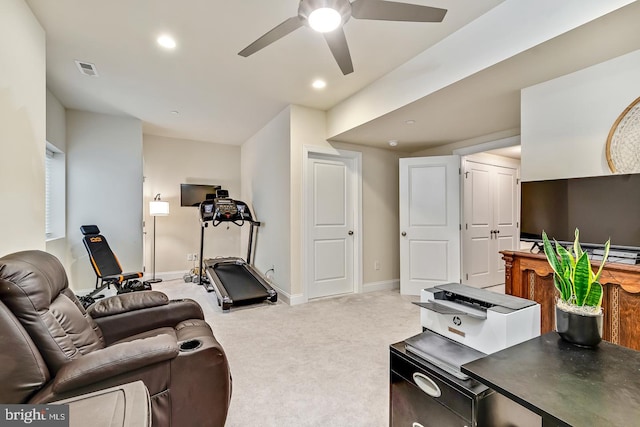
column 403, row 233
column 350, row 233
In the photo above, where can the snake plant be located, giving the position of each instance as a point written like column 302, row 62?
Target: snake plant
column 573, row 276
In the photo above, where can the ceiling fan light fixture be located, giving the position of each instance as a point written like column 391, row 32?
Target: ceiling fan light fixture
column 324, row 19
column 330, row 16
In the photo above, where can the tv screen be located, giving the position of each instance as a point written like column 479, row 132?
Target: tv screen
column 194, row 194
column 601, row 207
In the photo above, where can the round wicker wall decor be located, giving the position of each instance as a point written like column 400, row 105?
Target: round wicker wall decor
column 623, row 142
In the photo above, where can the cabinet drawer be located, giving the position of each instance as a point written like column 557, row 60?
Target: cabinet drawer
column 444, row 393
column 411, row 407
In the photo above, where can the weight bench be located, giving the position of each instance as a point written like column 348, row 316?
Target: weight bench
column 106, row 265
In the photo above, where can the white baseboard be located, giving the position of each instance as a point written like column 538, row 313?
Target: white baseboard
column 297, row 299
column 384, row 285
column 167, row 275
column 288, row 298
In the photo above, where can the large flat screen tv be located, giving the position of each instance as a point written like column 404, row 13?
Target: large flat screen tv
column 194, row 194
column 601, row 207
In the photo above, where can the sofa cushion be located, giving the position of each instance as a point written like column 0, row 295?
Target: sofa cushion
column 22, row 370
column 33, row 285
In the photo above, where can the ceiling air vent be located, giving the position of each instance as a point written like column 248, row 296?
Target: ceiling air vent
column 87, row 68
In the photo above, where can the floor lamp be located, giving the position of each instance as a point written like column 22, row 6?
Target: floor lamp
column 156, row 208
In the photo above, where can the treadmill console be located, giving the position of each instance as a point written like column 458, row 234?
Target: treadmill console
column 222, row 208
column 225, row 209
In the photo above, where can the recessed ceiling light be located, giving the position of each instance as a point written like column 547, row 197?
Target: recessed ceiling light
column 166, row 41
column 410, row 122
column 393, row 142
column 319, row 84
column 324, row 19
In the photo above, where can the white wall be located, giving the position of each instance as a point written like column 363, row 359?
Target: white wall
column 380, row 215
column 57, row 136
column 380, row 184
column 56, row 122
column 565, row 121
column 266, row 188
column 169, row 162
column 308, row 127
column 272, row 164
column 22, row 128
column 104, row 187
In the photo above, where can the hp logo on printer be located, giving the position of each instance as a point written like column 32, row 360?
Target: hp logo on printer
column 457, row 321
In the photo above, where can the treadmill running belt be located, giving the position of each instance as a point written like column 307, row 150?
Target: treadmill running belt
column 241, row 285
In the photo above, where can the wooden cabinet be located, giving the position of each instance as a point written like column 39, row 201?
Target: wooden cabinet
column 529, row 276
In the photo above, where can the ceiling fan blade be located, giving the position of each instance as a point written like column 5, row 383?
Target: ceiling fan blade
column 275, row 34
column 391, row 11
column 340, row 49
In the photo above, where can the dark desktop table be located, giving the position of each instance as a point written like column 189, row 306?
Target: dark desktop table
column 565, row 384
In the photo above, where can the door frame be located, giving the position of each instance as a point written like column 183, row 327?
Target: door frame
column 355, row 181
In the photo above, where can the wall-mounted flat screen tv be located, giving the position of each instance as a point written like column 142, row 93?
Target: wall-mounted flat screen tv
column 601, row 207
column 194, row 194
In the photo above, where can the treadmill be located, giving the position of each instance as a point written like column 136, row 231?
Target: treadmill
column 234, row 280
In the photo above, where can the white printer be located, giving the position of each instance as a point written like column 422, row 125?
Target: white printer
column 462, row 324
column 483, row 320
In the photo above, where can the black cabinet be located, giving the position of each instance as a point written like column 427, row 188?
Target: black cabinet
column 567, row 385
column 411, row 408
column 422, row 395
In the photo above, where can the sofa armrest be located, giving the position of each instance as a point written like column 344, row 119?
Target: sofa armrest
column 114, row 360
column 125, row 324
column 127, row 302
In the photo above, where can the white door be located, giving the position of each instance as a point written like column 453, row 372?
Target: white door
column 330, row 219
column 505, row 218
column 490, row 222
column 478, row 224
column 429, row 222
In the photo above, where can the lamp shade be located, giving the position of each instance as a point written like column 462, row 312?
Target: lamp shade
column 158, row 208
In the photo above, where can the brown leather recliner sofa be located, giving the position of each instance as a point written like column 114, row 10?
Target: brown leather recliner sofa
column 53, row 349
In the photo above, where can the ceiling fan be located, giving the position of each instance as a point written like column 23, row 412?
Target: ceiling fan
column 329, row 16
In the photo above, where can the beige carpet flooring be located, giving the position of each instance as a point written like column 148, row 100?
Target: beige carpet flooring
column 325, row 363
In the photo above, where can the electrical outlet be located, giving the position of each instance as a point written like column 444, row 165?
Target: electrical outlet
column 189, row 257
column 376, row 265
